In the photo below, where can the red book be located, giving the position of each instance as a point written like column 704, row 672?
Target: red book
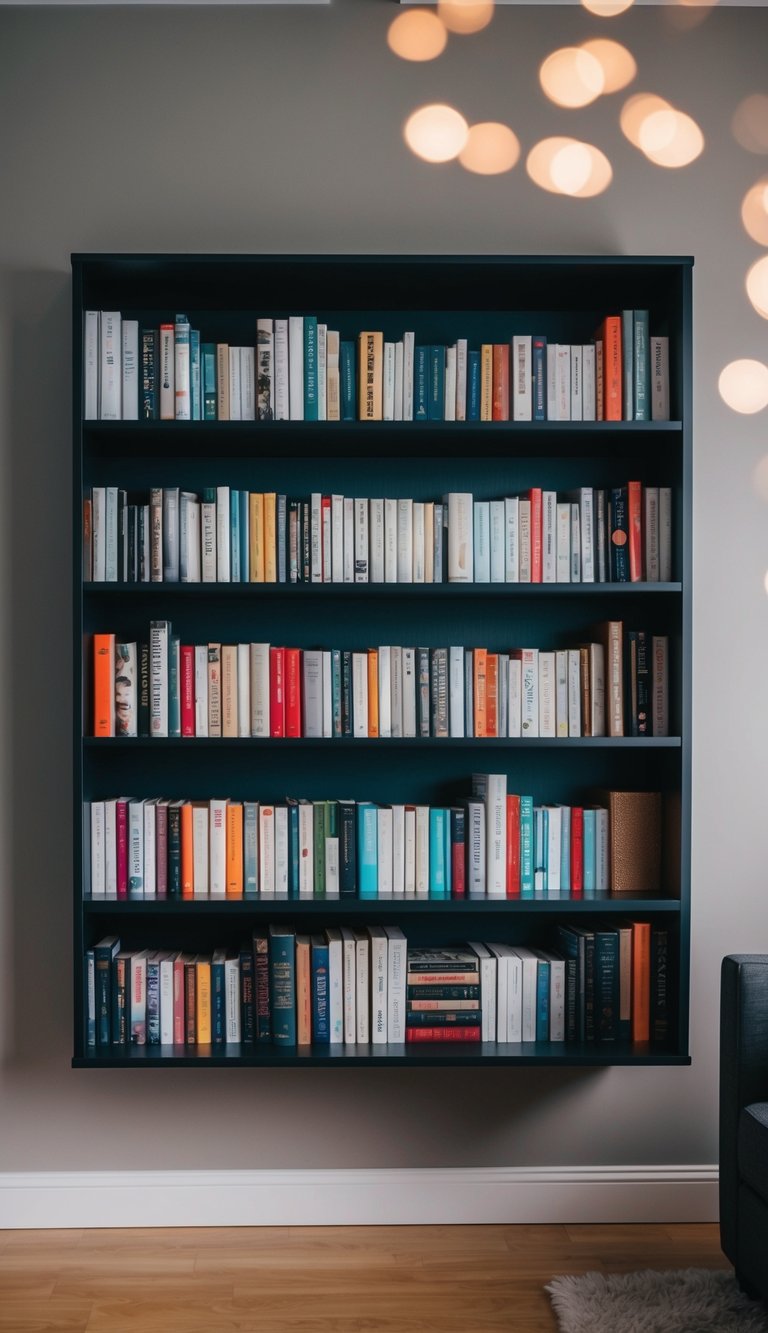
column 534, row 495
column 293, row 691
column 513, row 846
column 277, row 691
column 187, row 690
column 577, row 851
column 635, row 525
column 610, row 336
column 458, row 854
column 500, row 382
column 442, row 1034
column 178, row 1000
column 121, row 821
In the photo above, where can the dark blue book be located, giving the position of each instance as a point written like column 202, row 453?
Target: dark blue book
column 347, row 377
column 436, row 404
column 195, row 380
column 121, row 985
column 153, row 999
column 619, row 535
column 473, row 386
column 282, row 984
column 174, row 849
column 104, row 954
column 637, row 681
column 293, row 847
column 347, row 850
column 421, row 365
column 247, row 995
column 149, row 356
column 310, row 368
column 174, row 671
column 262, row 992
column 539, row 377
column 606, row 966
column 321, row 1020
column 218, row 997
column 208, row 378
column 542, row 999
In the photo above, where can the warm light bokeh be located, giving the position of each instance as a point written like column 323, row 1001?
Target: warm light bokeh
column 765, row 581
column 490, row 149
column 743, row 386
column 671, row 138
column 437, row 132
column 636, row 110
column 607, row 9
column 572, row 77
column 465, row 16
column 750, row 123
column 757, row 286
column 617, row 63
column 567, row 166
column 754, row 212
column 418, row 34
column 760, row 478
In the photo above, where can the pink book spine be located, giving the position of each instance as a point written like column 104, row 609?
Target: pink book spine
column 161, row 850
column 121, row 815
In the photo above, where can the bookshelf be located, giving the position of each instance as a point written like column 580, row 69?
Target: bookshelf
column 485, row 299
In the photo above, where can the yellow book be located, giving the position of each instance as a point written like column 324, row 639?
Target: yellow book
column 203, row 1000
column 373, row 691
column 270, row 537
column 371, row 376
column 486, row 382
column 234, row 850
column 229, row 689
column 256, row 537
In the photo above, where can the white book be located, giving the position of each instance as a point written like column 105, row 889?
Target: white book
column 332, row 380
column 296, row 366
column 98, row 849
column 337, row 538
column 554, row 846
column 651, row 533
column 422, row 850
column 200, row 849
column 315, row 537
column 511, row 539
column 190, row 567
column 385, row 692
column 326, row 542
column 111, row 534
column 91, row 365
column 482, row 557
column 577, row 401
column 390, row 541
column 159, row 647
column 201, row 689
column 563, row 382
column 312, row 692
column 456, row 691
column 281, row 851
column 409, row 839
column 408, row 353
column 551, row 381
column 208, row 540
column 529, row 983
column 397, row 971
column 549, row 536
column 166, row 999
column 429, row 542
column 585, row 497
column 282, row 373
column 497, row 540
column 130, row 359
column 110, row 366
column 475, row 834
column 524, row 529
column 362, row 985
column 247, row 383
column 529, row 691
column 376, row 540
column 398, row 850
column 449, row 413
column 223, row 534
column 398, row 381
column 500, row 1032
column 460, row 521
column 335, row 944
column 231, row 999
column 331, row 867
column 405, row 541
column 361, row 541
column 322, row 372
column 349, row 539
column 588, row 383
column 492, row 789
column 547, row 694
column 384, row 850
column 574, row 692
column 217, row 847
column 487, row 990
column 243, row 689
column 419, row 547
column 171, row 534
column 575, row 542
column 265, row 358
column 360, row 694
column 659, row 356
column 135, row 849
column 409, row 693
column 396, row 691
column 327, row 696
column 563, row 542
column 349, row 982
column 597, row 689
column 182, row 370
column 306, row 849
column 461, row 379
column 99, row 532
column 110, row 848
column 514, row 697
column 514, row 971
column 259, row 682
column 388, row 382
column 561, row 693
column 150, row 849
column 267, row 881
column 235, row 399
column 522, row 387
column 665, row 534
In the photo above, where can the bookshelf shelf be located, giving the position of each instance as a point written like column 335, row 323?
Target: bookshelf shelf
column 443, row 298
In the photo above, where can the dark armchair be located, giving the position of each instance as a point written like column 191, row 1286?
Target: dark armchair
column 744, row 1119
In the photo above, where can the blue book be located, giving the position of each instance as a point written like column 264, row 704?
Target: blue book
column 174, row 671
column 247, row 996
column 565, row 849
column 282, row 984
column 245, row 555
column 542, row 999
column 310, row 368
column 293, row 847
column 347, row 377
column 208, row 376
column 436, row 405
column 606, row 985
column 90, row 997
column 250, row 849
column 321, row 1019
column 526, row 847
column 347, row 850
column 234, row 535
column 421, row 383
column 539, row 377
column 194, row 375
column 437, row 878
column 104, row 954
column 336, row 691
column 642, row 366
column 218, row 1002
column 589, row 851
column 153, row 999
column 473, row 386
column 367, row 850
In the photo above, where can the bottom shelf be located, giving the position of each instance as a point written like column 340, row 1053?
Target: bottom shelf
column 428, row 1053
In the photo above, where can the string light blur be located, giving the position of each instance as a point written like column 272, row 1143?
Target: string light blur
column 418, row 34
column 436, row 133
column 567, row 166
column 754, row 212
column 465, row 16
column 491, row 148
column 743, row 386
column 617, row 63
column 572, row 77
column 607, row 9
column 750, row 123
column 757, row 286
column 670, row 138
column 635, row 110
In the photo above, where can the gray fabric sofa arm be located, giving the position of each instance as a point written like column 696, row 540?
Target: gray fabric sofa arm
column 743, row 1072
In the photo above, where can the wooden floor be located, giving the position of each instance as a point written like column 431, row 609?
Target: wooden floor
column 453, row 1279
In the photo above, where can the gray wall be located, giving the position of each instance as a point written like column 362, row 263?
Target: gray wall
column 281, row 132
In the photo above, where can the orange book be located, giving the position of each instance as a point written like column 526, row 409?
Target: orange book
column 635, row 525
column 270, row 537
column 203, row 1000
column 641, row 981
column 486, row 382
column 534, row 495
column 187, row 852
column 256, row 537
column 480, row 662
column 373, row 691
column 500, row 406
column 513, row 846
column 103, row 684
column 610, row 336
column 303, row 992
column 491, row 693
column 234, row 850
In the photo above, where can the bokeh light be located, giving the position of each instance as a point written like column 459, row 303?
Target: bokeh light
column 757, row 286
column 490, row 149
column 636, row 110
column 465, row 16
column 760, row 478
column 743, row 386
column 567, row 166
column 617, row 63
column 754, row 212
column 607, row 9
column 436, row 132
column 765, row 581
column 750, row 123
column 670, row 138
column 418, row 34
column 572, row 77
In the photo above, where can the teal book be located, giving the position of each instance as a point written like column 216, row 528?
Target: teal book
column 436, row 403
column 245, row 555
column 542, row 999
column 473, row 386
column 627, row 365
column 367, row 850
column 293, row 847
column 234, row 536
column 336, row 691
column 642, row 366
column 539, row 377
column 318, row 825
column 321, row 1020
column 437, row 877
column 282, row 984
column 104, row 954
column 347, row 377
column 590, row 850
column 174, row 702
column 526, row 847
column 218, row 1002
column 250, row 849
column 421, row 383
column 565, row 849
column 208, row 375
column 310, row 368
column 194, row 374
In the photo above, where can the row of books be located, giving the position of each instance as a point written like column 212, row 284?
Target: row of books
column 594, row 535
column 300, row 370
column 492, row 844
column 164, row 688
column 603, row 982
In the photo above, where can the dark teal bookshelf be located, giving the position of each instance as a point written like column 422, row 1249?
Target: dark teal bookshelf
column 485, row 298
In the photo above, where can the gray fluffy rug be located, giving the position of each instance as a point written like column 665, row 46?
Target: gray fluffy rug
column 689, row 1300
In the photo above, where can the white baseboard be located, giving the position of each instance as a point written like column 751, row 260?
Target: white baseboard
column 358, row 1198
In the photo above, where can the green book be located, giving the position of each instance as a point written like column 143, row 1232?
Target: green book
column 310, row 368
